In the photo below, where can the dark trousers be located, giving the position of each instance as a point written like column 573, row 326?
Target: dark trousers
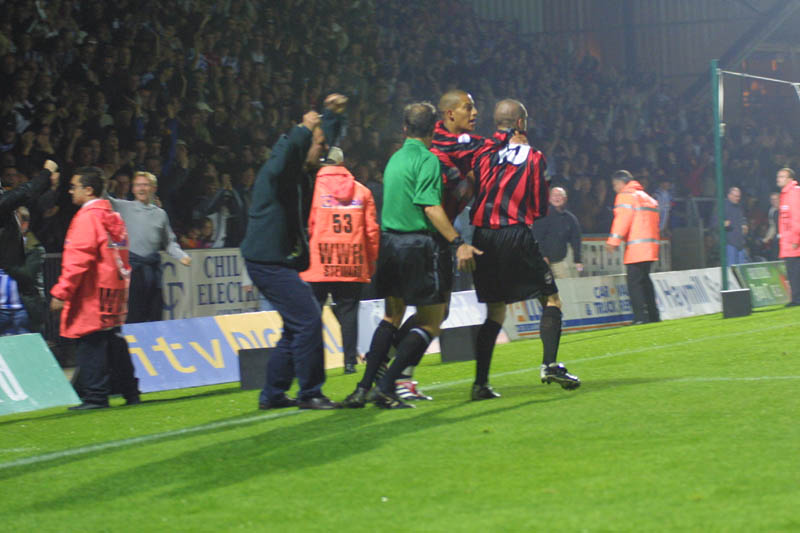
column 345, row 297
column 641, row 292
column 145, row 299
column 793, row 273
column 299, row 352
column 105, row 366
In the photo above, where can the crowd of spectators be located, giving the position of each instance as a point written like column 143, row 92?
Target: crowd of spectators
column 196, row 92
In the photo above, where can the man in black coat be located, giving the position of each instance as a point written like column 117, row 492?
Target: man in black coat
column 557, row 230
column 275, row 250
column 16, row 291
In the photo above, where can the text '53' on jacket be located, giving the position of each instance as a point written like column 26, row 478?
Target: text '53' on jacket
column 636, row 224
column 345, row 235
column 95, row 273
column 789, row 220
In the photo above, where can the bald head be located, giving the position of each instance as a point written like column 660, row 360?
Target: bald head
column 458, row 111
column 451, row 100
column 510, row 114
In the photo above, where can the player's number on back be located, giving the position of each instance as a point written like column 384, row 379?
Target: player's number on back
column 342, row 223
column 515, row 155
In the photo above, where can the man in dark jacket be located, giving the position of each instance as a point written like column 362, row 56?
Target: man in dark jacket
column 557, row 230
column 735, row 228
column 13, row 288
column 275, row 249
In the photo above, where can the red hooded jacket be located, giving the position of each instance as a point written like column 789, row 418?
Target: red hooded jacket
column 343, row 227
column 95, row 273
column 789, row 220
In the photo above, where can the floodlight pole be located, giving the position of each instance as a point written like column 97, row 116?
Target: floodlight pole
column 723, row 256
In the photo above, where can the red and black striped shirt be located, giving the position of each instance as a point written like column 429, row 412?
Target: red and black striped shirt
column 455, row 152
column 511, row 186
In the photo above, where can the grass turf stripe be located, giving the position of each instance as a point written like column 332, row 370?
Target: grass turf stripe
column 228, row 423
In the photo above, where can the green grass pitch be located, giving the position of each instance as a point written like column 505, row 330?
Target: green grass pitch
column 686, row 425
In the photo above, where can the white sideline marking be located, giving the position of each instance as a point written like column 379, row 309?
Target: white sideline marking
column 228, row 423
column 755, row 378
column 144, row 438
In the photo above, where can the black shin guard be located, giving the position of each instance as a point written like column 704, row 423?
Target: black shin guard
column 550, row 333
column 487, row 336
column 403, row 330
column 414, row 344
column 378, row 352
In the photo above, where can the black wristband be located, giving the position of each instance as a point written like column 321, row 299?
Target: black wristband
column 458, row 241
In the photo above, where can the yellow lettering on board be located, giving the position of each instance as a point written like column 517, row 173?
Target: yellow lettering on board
column 166, row 349
column 138, row 352
column 216, row 361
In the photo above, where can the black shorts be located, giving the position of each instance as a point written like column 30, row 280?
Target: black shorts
column 511, row 268
column 416, row 267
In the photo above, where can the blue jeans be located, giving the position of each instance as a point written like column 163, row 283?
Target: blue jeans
column 14, row 322
column 299, row 352
column 735, row 255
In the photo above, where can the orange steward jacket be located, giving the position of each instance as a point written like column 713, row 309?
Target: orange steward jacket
column 343, row 228
column 636, row 224
column 789, row 220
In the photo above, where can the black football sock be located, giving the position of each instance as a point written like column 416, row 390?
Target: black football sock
column 415, row 343
column 378, row 352
column 410, row 322
column 550, row 333
column 405, row 327
column 487, row 336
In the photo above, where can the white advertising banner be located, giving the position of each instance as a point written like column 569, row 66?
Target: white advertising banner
column 587, row 303
column 686, row 293
column 603, row 301
column 465, row 310
column 210, row 286
column 597, row 261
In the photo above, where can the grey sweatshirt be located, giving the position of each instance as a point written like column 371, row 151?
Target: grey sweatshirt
column 148, row 228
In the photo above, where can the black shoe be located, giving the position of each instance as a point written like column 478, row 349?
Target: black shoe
column 792, row 304
column 387, row 401
column 279, row 403
column 357, row 399
column 483, row 392
column 85, row 406
column 318, row 402
column 133, row 400
column 350, row 368
column 637, row 323
column 557, row 372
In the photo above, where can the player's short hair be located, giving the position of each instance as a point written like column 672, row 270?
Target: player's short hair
column 622, row 175
column 451, row 100
column 788, row 171
column 92, row 177
column 419, row 119
column 148, row 175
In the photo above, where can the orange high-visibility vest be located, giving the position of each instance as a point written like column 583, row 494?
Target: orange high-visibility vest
column 636, row 223
column 343, row 228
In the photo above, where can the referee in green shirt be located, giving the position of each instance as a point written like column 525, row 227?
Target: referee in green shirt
column 415, row 261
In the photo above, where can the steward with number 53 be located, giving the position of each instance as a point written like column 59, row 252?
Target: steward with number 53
column 344, row 237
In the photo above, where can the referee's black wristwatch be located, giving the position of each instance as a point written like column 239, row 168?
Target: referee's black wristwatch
column 458, row 241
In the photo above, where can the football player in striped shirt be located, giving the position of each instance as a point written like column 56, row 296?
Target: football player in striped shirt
column 511, row 192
